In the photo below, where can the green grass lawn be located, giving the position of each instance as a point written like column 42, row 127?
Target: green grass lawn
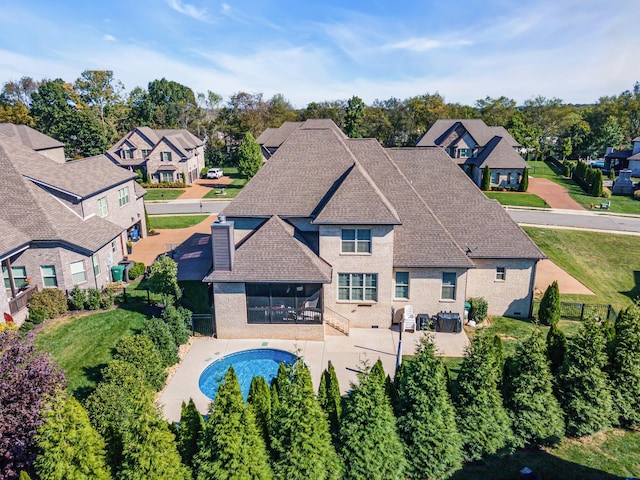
column 605, row 263
column 175, row 221
column 518, row 199
column 82, row 345
column 163, row 193
column 231, row 190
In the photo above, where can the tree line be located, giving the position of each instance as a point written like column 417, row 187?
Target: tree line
column 92, row 112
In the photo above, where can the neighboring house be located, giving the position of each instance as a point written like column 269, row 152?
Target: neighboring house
column 473, row 145
column 62, row 224
column 624, row 159
column 35, row 140
column 342, row 231
column 162, row 155
column 271, row 139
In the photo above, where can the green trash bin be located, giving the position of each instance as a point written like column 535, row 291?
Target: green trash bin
column 117, row 273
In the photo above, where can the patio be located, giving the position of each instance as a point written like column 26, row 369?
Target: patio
column 346, row 354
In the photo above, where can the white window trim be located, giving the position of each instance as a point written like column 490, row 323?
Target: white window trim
column 123, row 194
column 396, row 284
column 55, row 276
column 102, row 207
column 443, row 286
column 83, row 271
column 364, row 288
column 504, row 274
column 356, row 242
column 95, row 261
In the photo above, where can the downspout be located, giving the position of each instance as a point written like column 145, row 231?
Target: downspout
column 532, row 287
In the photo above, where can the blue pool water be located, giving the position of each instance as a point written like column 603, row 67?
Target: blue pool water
column 261, row 362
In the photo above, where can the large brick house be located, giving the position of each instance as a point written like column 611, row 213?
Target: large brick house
column 473, row 146
column 342, row 231
column 62, row 224
column 162, row 155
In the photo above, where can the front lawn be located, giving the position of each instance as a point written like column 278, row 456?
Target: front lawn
column 175, row 221
column 82, row 344
column 231, row 190
column 603, row 262
column 163, row 193
column 517, row 199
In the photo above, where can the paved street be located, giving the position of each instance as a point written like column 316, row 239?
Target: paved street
column 585, row 219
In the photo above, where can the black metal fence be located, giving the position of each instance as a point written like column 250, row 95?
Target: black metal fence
column 580, row 311
column 202, row 325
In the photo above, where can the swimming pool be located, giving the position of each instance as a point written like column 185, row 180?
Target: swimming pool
column 259, row 362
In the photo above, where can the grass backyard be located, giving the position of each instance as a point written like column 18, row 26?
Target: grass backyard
column 231, row 190
column 604, row 263
column 175, row 221
column 163, row 193
column 517, row 199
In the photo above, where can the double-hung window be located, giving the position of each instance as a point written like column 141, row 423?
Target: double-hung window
column 356, row 240
column 19, row 277
column 96, row 265
column 358, row 287
column 145, row 152
column 123, row 196
column 49, row 278
column 402, row 285
column 501, row 274
column 78, row 273
column 165, row 156
column 464, row 152
column 102, row 207
column 128, row 153
column 448, row 286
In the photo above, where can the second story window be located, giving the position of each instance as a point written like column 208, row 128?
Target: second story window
column 356, row 240
column 128, row 153
column 464, row 152
column 145, row 152
column 165, row 156
column 102, row 207
column 123, row 196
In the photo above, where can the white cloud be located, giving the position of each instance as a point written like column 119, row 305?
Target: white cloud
column 109, row 38
column 425, row 44
column 190, row 10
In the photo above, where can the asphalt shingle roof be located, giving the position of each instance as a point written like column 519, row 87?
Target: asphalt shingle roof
column 30, row 137
column 274, row 253
column 479, row 131
column 498, row 153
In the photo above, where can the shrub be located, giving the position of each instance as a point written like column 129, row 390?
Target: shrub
column 37, row 315
column 50, row 300
column 567, row 170
column 179, row 321
column 94, row 296
column 78, row 297
column 26, row 326
column 136, row 271
column 164, row 185
column 203, row 172
column 636, row 195
column 549, row 311
column 478, row 310
column 140, row 351
column 158, row 331
column 107, row 296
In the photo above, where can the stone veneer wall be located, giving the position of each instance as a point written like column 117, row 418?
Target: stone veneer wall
column 512, row 296
column 230, row 305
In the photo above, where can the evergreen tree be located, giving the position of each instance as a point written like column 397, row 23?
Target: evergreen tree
column 426, row 417
column 625, row 367
column 189, row 432
column 585, row 395
column 232, row 446
column 70, row 448
column 482, row 418
column 596, row 189
column 159, row 333
column 485, row 184
column 249, row 156
column 369, row 443
column 140, row 352
column 260, row 399
column 330, row 399
column 300, row 438
column 535, row 413
column 556, row 348
column 549, row 311
column 378, row 371
column 524, row 182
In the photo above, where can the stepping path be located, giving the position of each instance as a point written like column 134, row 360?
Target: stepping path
column 202, row 186
column 555, row 195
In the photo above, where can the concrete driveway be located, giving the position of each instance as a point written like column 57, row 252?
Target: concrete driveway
column 347, row 353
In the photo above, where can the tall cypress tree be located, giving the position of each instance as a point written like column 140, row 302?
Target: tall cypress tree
column 300, row 439
column 249, row 156
column 330, row 399
column 485, row 184
column 378, row 371
column 535, row 412
column 556, row 348
column 369, row 443
column 625, row 367
column 232, row 446
column 189, row 432
column 426, row 417
column 549, row 311
column 260, row 399
column 482, row 418
column 70, row 448
column 524, row 182
column 585, row 393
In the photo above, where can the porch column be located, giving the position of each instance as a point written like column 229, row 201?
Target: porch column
column 11, row 282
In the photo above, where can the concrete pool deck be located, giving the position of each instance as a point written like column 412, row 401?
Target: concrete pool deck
column 347, row 353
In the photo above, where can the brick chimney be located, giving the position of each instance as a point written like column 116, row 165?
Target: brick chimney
column 222, row 244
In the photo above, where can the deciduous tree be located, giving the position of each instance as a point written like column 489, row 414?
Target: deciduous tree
column 249, row 156
column 163, row 278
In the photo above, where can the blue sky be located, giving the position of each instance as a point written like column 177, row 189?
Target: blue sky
column 576, row 50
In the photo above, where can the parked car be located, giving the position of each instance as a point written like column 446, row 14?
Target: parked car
column 215, row 173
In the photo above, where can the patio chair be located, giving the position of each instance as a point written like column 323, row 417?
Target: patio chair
column 408, row 319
